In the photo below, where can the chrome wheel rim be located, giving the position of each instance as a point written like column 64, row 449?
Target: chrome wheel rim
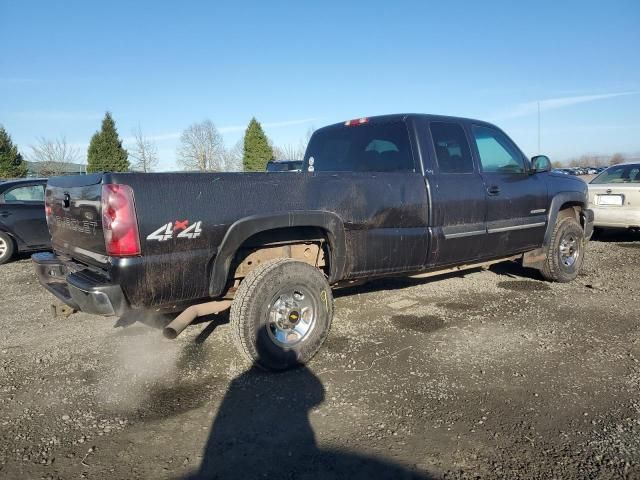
column 291, row 317
column 3, row 247
column 569, row 250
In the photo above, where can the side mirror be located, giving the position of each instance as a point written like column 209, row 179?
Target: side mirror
column 540, row 163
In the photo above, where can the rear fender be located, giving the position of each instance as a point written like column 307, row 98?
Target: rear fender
column 245, row 228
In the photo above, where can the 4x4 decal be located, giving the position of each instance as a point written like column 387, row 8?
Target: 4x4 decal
column 178, row 229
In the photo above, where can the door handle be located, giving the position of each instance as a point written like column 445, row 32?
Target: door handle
column 493, row 190
column 5, row 214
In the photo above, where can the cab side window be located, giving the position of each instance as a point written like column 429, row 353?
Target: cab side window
column 452, row 149
column 497, row 153
column 30, row 193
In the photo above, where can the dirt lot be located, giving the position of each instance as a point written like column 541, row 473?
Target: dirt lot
column 491, row 374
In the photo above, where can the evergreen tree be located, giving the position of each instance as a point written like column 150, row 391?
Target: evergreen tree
column 257, row 151
column 105, row 150
column 11, row 163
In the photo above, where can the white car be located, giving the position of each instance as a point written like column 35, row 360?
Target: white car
column 614, row 197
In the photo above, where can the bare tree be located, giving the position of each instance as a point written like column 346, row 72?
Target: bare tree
column 290, row 151
column 293, row 151
column 589, row 160
column 144, row 153
column 53, row 157
column 202, row 148
column 617, row 159
column 233, row 157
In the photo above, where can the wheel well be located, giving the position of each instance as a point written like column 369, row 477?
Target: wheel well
column 570, row 210
column 307, row 244
column 573, row 210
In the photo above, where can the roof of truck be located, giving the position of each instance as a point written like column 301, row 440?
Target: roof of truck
column 404, row 116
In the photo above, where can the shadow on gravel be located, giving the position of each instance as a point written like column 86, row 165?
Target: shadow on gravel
column 422, row 324
column 159, row 321
column 515, row 270
column 613, row 235
column 524, row 286
column 397, row 283
column 262, row 430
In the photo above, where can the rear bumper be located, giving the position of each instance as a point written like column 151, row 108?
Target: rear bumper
column 588, row 219
column 80, row 288
column 616, row 217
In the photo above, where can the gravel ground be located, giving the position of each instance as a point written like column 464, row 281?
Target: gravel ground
column 490, row 374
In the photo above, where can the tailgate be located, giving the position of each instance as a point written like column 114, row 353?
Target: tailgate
column 74, row 215
column 615, row 195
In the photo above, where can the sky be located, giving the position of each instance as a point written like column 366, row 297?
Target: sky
column 296, row 65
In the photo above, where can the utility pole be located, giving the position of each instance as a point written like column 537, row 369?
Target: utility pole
column 538, row 128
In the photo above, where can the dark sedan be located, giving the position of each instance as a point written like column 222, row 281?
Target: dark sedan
column 23, row 225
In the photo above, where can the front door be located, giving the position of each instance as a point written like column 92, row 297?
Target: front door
column 516, row 199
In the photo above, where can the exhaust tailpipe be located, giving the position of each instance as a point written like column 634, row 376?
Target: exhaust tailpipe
column 183, row 320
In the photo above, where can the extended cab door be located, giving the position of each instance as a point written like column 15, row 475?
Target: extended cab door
column 457, row 196
column 516, row 199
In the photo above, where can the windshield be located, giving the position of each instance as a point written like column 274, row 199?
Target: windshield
column 619, row 174
column 375, row 147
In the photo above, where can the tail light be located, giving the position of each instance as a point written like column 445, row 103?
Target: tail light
column 119, row 221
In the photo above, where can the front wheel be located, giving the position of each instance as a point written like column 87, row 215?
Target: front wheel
column 565, row 254
column 281, row 314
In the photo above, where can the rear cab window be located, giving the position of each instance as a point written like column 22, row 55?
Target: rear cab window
column 497, row 153
column 369, row 147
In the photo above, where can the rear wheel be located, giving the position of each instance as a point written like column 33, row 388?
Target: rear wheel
column 565, row 254
column 281, row 314
column 7, row 247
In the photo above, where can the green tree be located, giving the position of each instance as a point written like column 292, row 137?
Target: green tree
column 257, row 150
column 11, row 162
column 105, row 150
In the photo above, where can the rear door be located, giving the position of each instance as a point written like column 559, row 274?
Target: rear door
column 516, row 199
column 458, row 196
column 22, row 213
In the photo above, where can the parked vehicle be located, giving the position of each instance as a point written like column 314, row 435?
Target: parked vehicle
column 382, row 196
column 284, row 166
column 614, row 197
column 23, row 224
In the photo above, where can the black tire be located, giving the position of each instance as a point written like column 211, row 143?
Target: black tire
column 7, row 248
column 256, row 307
column 563, row 263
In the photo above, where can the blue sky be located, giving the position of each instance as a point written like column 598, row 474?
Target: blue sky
column 297, row 64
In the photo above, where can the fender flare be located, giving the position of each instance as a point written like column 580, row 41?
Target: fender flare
column 246, row 227
column 557, row 202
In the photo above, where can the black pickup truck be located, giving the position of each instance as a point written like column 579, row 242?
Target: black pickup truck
column 381, row 196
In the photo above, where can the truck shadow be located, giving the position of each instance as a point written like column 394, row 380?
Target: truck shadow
column 396, row 283
column 616, row 236
column 510, row 269
column 159, row 321
column 262, row 430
